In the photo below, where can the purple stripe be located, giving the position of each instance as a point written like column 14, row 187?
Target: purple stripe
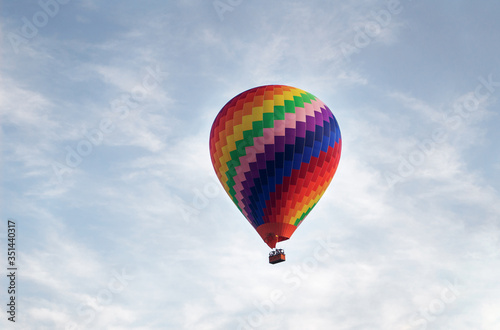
column 301, row 129
column 318, row 118
column 310, row 126
column 261, row 161
column 290, row 135
column 329, row 112
column 324, row 112
column 255, row 171
column 279, row 143
column 269, row 151
column 248, row 210
column 247, row 193
column 249, row 181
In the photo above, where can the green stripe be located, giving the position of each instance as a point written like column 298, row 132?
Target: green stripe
column 307, row 97
column 268, row 120
column 289, row 106
column 258, row 128
column 240, row 148
column 248, row 138
column 279, row 112
column 299, row 102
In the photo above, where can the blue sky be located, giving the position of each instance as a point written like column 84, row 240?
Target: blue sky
column 106, row 109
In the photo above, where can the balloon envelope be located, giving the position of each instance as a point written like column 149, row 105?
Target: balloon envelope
column 275, row 150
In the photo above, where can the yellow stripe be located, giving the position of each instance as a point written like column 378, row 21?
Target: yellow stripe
column 231, row 145
column 288, row 95
column 268, row 106
column 247, row 123
column 297, row 92
column 257, row 114
column 279, row 99
column 238, row 132
column 223, row 160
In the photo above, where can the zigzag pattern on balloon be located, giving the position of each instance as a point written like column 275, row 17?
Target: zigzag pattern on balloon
column 275, row 150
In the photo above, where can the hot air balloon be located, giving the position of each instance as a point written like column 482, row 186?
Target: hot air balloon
column 275, row 150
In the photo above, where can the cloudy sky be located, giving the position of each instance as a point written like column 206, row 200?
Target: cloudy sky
column 106, row 108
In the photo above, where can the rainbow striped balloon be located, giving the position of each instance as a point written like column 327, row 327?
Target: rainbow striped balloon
column 275, row 150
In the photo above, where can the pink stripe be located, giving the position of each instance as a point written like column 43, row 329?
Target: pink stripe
column 300, row 114
column 279, row 128
column 317, row 105
column 240, row 176
column 309, row 109
column 239, row 197
column 269, row 135
column 290, row 120
column 258, row 144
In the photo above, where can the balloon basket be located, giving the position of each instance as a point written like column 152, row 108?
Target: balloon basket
column 276, row 256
